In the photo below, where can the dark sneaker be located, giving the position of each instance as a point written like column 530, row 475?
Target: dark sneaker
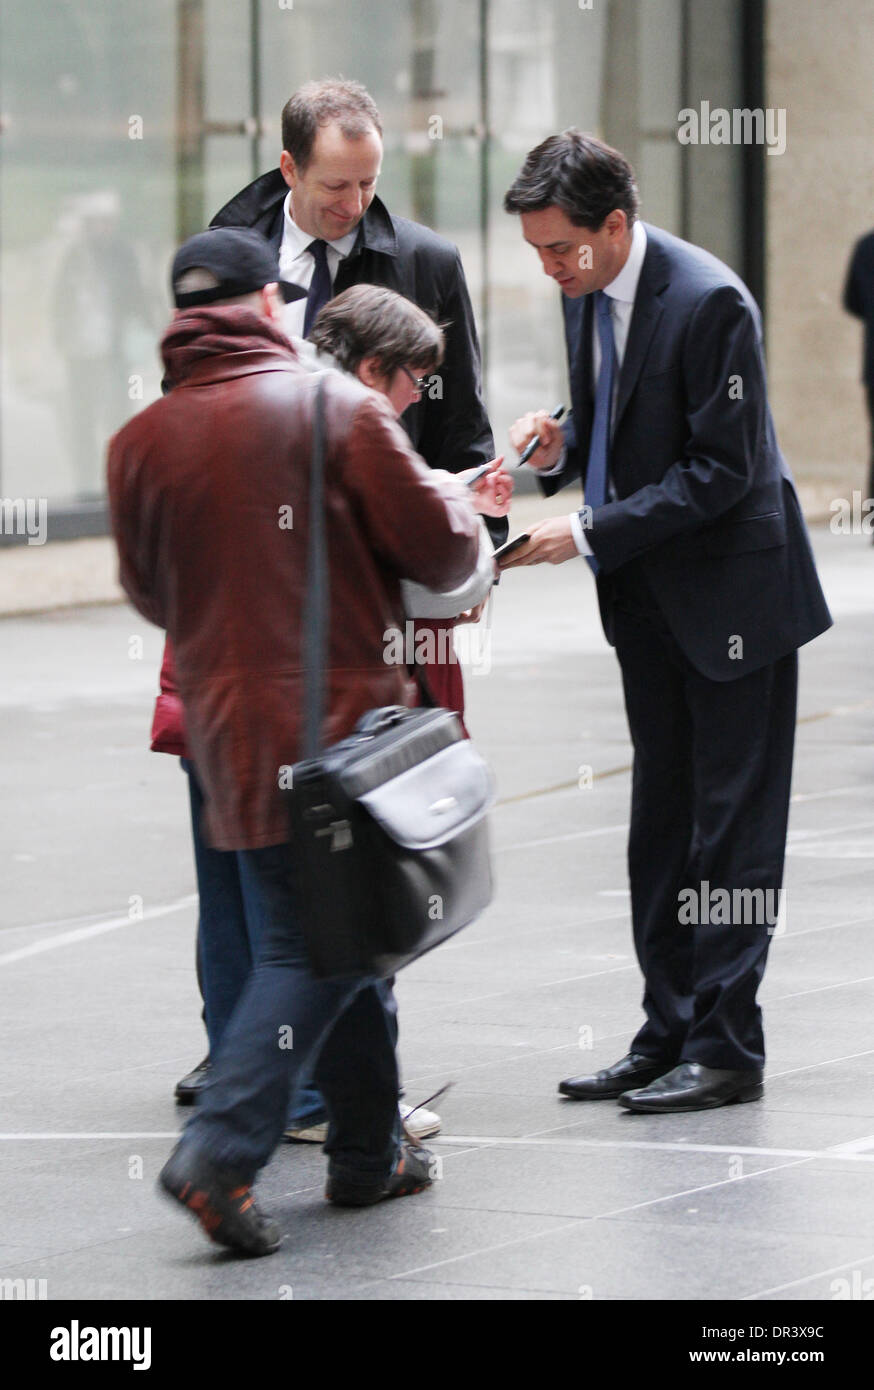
column 415, row 1171
column 189, row 1088
column 223, row 1205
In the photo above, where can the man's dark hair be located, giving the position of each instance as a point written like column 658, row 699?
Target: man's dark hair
column 321, row 103
column 579, row 174
column 370, row 321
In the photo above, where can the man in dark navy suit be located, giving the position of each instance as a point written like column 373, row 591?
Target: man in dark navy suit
column 707, row 587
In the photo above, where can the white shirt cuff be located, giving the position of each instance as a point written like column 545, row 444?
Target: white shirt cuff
column 579, row 535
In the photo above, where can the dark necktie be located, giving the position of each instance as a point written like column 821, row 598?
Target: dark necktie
column 599, row 448
column 321, row 289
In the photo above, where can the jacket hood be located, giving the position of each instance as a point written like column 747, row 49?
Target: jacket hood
column 201, row 333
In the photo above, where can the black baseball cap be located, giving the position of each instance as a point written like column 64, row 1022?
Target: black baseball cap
column 241, row 259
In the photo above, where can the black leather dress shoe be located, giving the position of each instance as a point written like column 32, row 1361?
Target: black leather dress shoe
column 632, row 1070
column 189, row 1088
column 692, row 1086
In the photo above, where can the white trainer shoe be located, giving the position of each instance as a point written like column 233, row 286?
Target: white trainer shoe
column 418, row 1122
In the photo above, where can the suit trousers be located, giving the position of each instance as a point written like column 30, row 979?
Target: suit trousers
column 870, row 395
column 710, row 806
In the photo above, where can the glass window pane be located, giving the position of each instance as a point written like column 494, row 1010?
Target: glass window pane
column 87, row 213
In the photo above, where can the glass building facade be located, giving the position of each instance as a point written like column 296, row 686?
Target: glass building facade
column 126, row 125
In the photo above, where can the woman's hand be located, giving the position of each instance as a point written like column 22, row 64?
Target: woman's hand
column 492, row 494
column 472, row 615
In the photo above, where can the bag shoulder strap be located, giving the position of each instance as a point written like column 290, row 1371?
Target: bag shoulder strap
column 317, row 598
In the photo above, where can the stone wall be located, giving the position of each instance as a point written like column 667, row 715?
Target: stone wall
column 819, row 65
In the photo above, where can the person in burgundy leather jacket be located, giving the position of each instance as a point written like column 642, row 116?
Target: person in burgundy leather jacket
column 374, row 334
column 204, row 486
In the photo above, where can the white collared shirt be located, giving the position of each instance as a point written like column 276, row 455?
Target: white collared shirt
column 622, row 290
column 297, row 266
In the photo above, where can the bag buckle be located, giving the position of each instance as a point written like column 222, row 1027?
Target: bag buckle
column 341, row 835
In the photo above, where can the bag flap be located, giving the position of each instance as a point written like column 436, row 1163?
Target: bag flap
column 431, row 803
column 388, row 742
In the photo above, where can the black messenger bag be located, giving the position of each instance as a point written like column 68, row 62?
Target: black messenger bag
column 389, row 830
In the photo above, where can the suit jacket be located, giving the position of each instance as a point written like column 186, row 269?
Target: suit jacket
column 704, row 500
column 859, row 298
column 450, row 430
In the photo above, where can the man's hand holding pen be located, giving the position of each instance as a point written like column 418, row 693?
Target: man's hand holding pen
column 540, row 423
column 550, row 542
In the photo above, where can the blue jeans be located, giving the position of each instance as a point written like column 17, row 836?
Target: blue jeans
column 229, row 934
column 230, row 927
column 289, row 1025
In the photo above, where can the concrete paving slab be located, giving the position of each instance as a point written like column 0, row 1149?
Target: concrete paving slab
column 540, row 1198
column 628, row 1259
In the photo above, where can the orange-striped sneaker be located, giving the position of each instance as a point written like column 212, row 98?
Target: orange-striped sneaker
column 416, row 1170
column 224, row 1206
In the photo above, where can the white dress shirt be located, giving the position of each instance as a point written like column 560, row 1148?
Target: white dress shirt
column 296, row 265
column 622, row 290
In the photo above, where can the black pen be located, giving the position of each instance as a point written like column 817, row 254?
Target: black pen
column 477, row 474
column 535, row 442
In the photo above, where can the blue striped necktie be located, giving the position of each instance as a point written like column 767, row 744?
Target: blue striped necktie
column 321, row 289
column 599, row 447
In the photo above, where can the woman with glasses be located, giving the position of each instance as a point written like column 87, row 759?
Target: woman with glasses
column 394, row 347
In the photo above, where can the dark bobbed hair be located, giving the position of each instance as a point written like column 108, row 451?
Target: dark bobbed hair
column 371, row 321
column 579, row 174
column 321, row 103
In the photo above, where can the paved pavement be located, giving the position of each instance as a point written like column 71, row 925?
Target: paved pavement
column 540, row 1198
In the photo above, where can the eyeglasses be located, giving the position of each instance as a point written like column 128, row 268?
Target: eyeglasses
column 416, row 381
